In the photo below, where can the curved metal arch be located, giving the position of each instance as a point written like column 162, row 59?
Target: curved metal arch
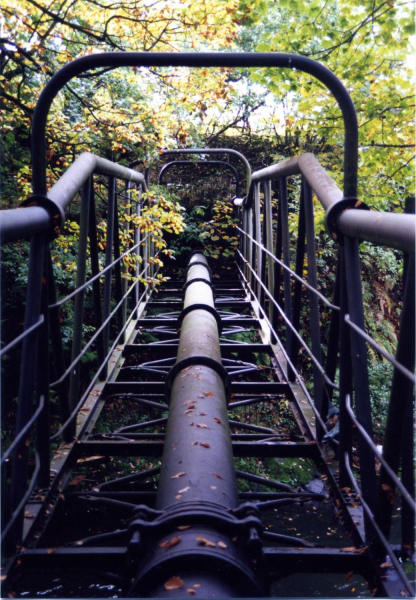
column 215, row 151
column 195, row 59
column 201, row 163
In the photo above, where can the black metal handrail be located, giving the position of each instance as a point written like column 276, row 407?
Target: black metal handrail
column 43, row 218
column 204, row 164
column 262, row 266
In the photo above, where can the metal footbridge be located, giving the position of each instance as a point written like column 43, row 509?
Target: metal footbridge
column 196, row 458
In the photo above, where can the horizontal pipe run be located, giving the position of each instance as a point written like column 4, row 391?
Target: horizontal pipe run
column 197, row 488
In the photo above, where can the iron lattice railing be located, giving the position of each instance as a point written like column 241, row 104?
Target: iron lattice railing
column 111, row 298
column 265, row 259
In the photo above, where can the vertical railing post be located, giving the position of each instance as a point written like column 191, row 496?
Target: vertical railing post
column 249, row 275
column 27, row 378
column 117, row 270
column 399, row 425
column 286, row 259
column 43, row 426
column 313, row 301
column 277, row 273
column 268, row 218
column 124, row 269
column 109, row 258
column 345, row 378
column 297, row 290
column 96, row 286
column 360, row 374
column 333, row 341
column 79, row 300
column 145, row 263
column 257, row 236
column 137, row 239
column 57, row 349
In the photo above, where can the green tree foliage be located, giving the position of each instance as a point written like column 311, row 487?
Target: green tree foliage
column 367, row 46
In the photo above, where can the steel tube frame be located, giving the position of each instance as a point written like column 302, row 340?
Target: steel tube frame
column 17, row 224
column 197, row 483
column 215, row 151
column 202, row 163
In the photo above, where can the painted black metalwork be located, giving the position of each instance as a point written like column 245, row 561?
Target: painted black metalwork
column 204, row 164
column 195, row 456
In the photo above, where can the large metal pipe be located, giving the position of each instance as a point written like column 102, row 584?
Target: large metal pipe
column 198, row 538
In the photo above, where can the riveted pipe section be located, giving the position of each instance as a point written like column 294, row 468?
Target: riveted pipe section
column 198, row 538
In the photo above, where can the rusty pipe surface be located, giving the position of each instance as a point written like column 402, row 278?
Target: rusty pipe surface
column 198, row 536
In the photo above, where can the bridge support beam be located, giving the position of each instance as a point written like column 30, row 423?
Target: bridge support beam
column 198, row 541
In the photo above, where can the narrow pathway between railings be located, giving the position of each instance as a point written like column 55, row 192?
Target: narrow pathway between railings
column 119, row 522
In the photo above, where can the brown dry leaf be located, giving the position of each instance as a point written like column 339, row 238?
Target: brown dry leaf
column 178, row 475
column 186, row 369
column 50, row 551
column 222, row 545
column 195, row 444
column 385, row 565
column 27, row 442
column 202, row 425
column 190, row 591
column 11, row 595
column 183, row 527
column 187, row 402
column 354, row 504
column 178, row 497
column 3, row 577
column 200, row 395
column 77, row 480
column 216, row 475
column 191, row 423
column 349, row 576
column 184, row 490
column 190, row 409
column 204, row 542
column 174, row 583
column 217, row 420
column 196, row 585
column 389, row 492
column 170, row 543
column 213, row 487
column 204, row 445
column 355, row 550
column 202, row 414
column 208, row 394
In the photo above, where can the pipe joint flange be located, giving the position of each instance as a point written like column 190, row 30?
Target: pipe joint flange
column 201, row 306
column 194, row 513
column 197, row 360
column 200, row 280
column 199, row 262
column 56, row 212
column 336, row 209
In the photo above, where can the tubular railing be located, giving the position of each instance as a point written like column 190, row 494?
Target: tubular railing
column 265, row 263
column 210, row 164
column 41, row 339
